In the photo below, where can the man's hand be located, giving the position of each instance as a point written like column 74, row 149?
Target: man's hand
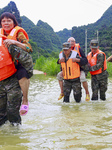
column 75, row 60
column 62, row 60
column 9, row 42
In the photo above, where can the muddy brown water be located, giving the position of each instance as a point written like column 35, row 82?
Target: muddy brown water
column 52, row 125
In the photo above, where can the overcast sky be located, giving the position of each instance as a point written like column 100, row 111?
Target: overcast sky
column 60, row 14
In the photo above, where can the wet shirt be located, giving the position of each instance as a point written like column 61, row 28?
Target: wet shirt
column 109, row 59
column 77, row 56
column 83, row 59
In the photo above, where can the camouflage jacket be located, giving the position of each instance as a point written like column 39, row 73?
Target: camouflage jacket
column 99, row 64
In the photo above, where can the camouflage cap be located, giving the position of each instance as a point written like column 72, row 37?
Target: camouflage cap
column 94, row 43
column 66, row 46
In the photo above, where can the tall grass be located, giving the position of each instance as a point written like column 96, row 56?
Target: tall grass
column 109, row 68
column 48, row 65
column 40, row 63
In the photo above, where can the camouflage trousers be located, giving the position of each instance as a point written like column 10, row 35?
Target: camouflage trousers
column 99, row 85
column 23, row 57
column 68, row 85
column 10, row 100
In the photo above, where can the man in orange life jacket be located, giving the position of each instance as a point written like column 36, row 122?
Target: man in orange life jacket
column 97, row 67
column 84, row 61
column 71, row 72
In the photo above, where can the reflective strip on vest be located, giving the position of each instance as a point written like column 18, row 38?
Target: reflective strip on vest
column 77, row 49
column 0, row 41
column 12, row 32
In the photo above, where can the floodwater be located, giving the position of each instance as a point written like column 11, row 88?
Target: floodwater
column 53, row 125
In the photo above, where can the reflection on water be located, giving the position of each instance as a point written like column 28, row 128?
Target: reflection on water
column 52, row 125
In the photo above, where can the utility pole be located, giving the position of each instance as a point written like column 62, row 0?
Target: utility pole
column 86, row 42
column 38, row 54
column 97, row 34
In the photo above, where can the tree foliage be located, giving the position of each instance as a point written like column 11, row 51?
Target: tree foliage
column 64, row 35
column 42, row 34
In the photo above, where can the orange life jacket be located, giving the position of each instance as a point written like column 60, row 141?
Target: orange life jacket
column 71, row 70
column 14, row 32
column 93, row 61
column 77, row 46
column 7, row 67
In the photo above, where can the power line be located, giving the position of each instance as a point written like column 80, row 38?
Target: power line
column 98, row 3
column 105, row 2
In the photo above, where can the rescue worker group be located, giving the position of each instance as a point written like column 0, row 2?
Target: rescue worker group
column 74, row 68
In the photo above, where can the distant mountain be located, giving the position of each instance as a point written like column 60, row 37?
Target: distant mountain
column 45, row 40
column 64, row 35
column 103, row 23
column 42, row 34
column 50, row 35
column 106, row 18
column 27, row 24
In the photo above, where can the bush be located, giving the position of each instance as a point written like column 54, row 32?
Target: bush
column 51, row 67
column 48, row 65
column 109, row 68
column 39, row 63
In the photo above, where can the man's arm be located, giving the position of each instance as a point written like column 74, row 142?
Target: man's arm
column 58, row 61
column 77, row 59
column 99, row 64
column 61, row 60
column 83, row 59
column 109, row 59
